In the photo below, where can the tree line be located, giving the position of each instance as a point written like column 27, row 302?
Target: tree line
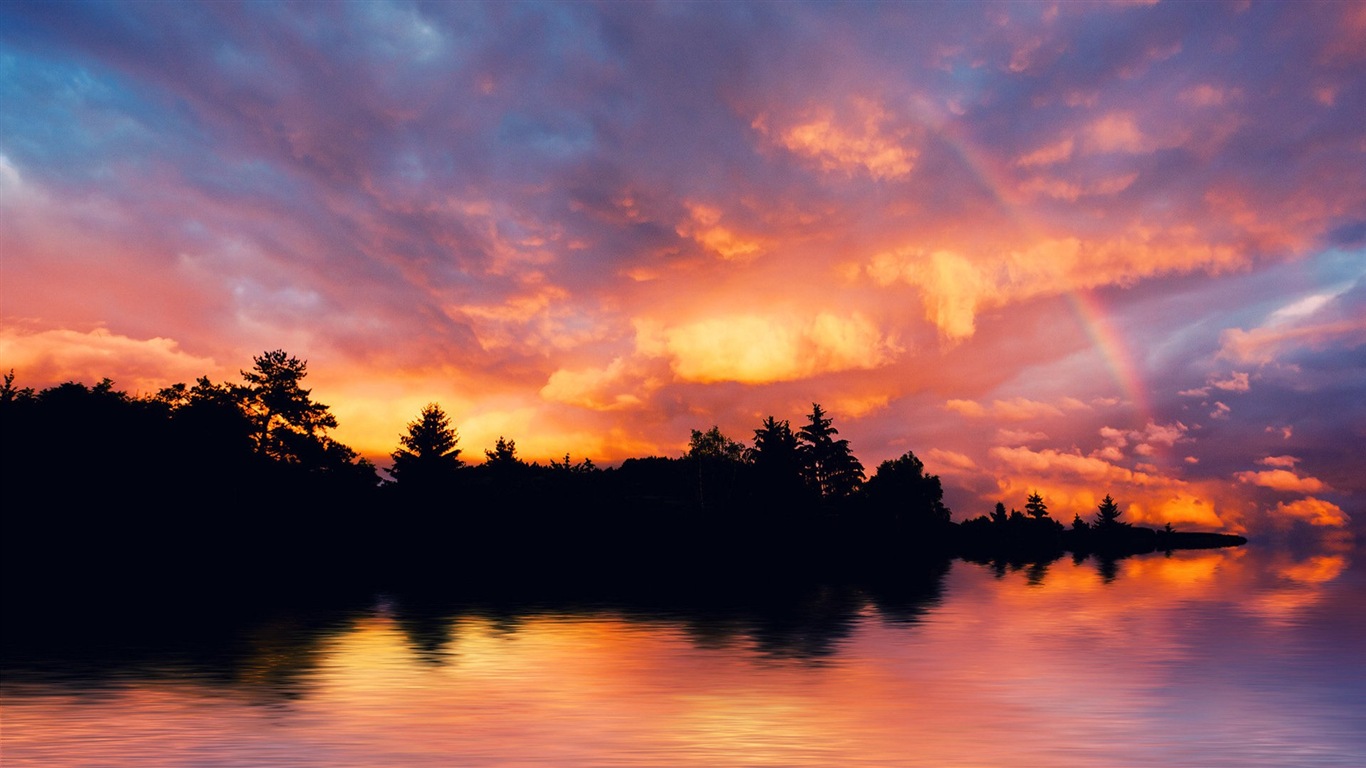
column 217, row 469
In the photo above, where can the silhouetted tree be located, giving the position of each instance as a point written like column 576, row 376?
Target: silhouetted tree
column 1080, row 525
column 286, row 418
column 429, row 453
column 829, row 466
column 568, row 465
column 901, row 489
column 714, row 445
column 1035, row 506
column 998, row 515
column 775, row 447
column 503, row 454
column 717, row 461
column 8, row 392
column 777, row 462
column 1107, row 515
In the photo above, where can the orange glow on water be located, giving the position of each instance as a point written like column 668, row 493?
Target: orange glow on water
column 1058, row 667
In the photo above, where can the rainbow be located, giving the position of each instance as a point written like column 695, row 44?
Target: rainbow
column 1113, row 348
column 1090, row 313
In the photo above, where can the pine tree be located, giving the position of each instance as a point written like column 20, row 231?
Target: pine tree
column 288, row 426
column 829, row 466
column 1107, row 514
column 429, row 451
column 1035, row 507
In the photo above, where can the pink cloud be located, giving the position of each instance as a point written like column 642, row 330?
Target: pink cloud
column 1284, row 462
column 1238, row 382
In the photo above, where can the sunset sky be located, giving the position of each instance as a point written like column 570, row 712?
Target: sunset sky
column 1079, row 248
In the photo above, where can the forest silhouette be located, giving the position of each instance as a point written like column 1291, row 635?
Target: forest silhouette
column 220, row 486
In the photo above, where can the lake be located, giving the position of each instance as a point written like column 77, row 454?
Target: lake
column 1239, row 657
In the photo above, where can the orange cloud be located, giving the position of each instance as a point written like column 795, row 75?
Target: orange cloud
column 766, row 348
column 956, row 285
column 1285, row 462
column 1049, row 461
column 1281, row 480
column 594, row 387
column 703, row 226
column 966, row 407
column 1013, row 409
column 135, row 365
column 858, row 140
column 1315, row 512
column 941, row 460
column 1073, row 483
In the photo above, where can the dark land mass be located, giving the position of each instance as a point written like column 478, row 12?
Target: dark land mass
column 231, row 503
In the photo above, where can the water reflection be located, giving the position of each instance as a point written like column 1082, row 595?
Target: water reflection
column 1235, row 657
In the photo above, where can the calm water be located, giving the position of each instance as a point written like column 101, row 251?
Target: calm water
column 1236, row 658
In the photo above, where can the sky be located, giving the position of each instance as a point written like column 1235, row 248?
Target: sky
column 1069, row 247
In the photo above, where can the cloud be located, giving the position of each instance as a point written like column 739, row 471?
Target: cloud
column 703, row 227
column 1013, row 409
column 1116, row 132
column 1023, row 409
column 1019, row 436
column 1265, row 344
column 956, row 285
column 595, row 388
column 1284, row 462
column 1281, row 480
column 1235, row 383
column 1048, row 461
column 1073, row 483
column 1207, row 95
column 966, row 407
column 1315, row 512
column 1047, row 155
column 755, row 349
column 136, row 365
column 943, row 461
column 863, row 138
column 1220, row 411
column 1143, row 439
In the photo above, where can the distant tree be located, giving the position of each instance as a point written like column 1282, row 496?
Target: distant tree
column 428, row 453
column 1080, row 525
column 998, row 515
column 775, row 446
column 503, row 454
column 10, row 394
column 567, row 465
column 1107, row 515
column 1035, row 506
column 778, row 466
column 901, row 489
column 829, row 466
column 717, row 461
column 714, row 445
column 285, row 416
